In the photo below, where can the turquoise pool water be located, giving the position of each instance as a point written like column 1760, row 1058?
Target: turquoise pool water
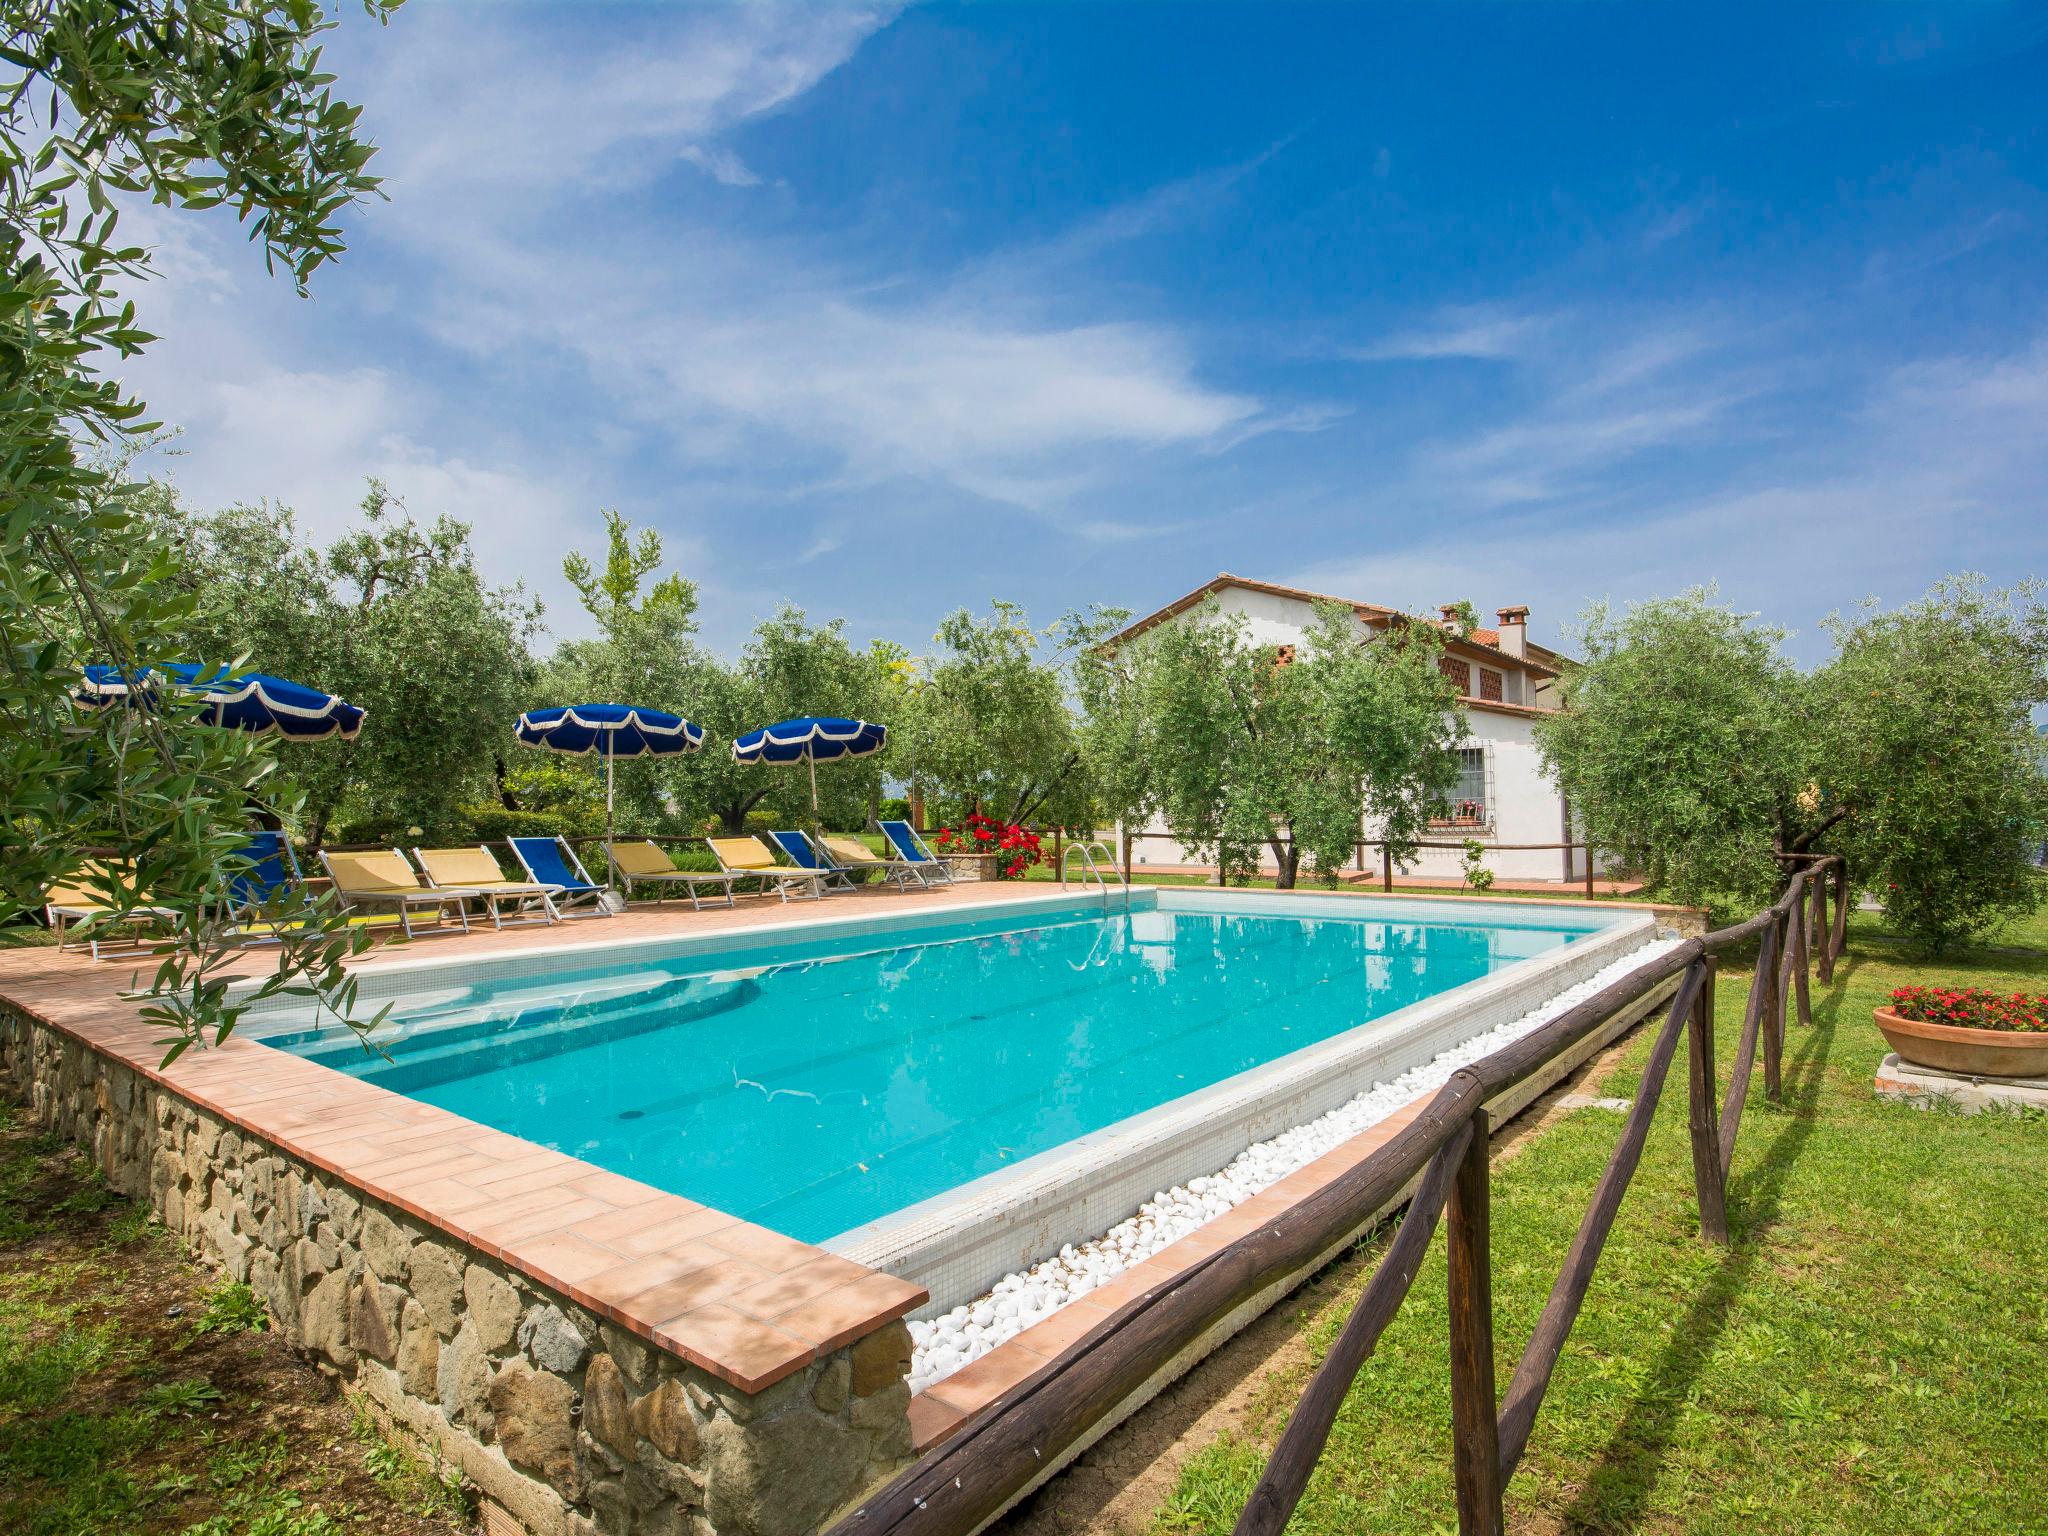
column 813, row 1091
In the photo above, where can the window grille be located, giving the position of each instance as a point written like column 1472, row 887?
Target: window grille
column 1467, row 806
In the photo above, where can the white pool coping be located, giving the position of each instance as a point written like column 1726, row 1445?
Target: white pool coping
column 959, row 1243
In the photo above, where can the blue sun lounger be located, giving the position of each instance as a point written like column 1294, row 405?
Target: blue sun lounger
column 552, row 862
column 261, row 893
column 801, row 851
column 910, row 848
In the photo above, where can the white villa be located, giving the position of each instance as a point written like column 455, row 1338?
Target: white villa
column 1508, row 682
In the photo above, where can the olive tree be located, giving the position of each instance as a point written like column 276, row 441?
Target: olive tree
column 192, row 104
column 1251, row 749
column 1109, row 726
column 1931, row 778
column 644, row 653
column 393, row 616
column 789, row 668
column 1677, row 746
column 647, row 652
column 990, row 723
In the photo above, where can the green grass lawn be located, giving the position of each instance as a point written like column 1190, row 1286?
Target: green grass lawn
column 1871, row 1354
column 140, row 1394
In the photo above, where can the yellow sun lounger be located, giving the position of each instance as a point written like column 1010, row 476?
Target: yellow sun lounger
column 474, row 869
column 81, row 897
column 384, row 879
column 748, row 857
column 641, row 862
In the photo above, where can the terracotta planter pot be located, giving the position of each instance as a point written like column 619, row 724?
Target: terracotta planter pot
column 1971, row 1052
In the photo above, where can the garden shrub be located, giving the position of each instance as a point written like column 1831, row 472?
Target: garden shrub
column 385, row 832
column 489, row 823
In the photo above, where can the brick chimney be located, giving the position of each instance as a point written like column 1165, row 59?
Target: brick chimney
column 1514, row 630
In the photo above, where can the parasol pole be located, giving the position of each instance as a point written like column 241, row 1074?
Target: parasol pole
column 811, row 763
column 611, row 741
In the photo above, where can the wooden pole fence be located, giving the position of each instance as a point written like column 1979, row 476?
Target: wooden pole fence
column 1301, row 1445
column 972, row 1476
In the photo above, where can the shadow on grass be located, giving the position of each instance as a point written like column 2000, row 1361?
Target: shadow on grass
column 1618, row 1488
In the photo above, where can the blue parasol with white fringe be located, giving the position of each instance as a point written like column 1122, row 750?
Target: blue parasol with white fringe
column 612, row 731
column 254, row 702
column 811, row 740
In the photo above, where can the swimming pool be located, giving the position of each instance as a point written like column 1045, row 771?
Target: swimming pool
column 838, row 1082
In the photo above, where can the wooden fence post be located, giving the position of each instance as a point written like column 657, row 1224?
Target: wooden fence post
column 1475, row 1421
column 1386, row 868
column 1708, row 1176
column 1802, row 961
column 1839, row 941
column 1780, row 983
column 1823, row 930
column 1773, row 1019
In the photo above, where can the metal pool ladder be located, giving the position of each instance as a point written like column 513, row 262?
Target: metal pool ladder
column 1092, row 870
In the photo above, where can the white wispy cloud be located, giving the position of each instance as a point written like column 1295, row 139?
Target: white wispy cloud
column 1591, row 396
column 500, row 119
column 1927, row 468
column 536, row 226
column 1481, row 333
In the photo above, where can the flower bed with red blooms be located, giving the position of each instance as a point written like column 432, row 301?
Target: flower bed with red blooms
column 980, row 834
column 1972, row 1008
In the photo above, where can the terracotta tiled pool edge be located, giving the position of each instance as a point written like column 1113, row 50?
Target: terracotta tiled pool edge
column 759, row 1305
column 744, row 1303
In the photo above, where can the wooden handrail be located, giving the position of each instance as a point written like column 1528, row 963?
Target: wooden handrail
column 978, row 1471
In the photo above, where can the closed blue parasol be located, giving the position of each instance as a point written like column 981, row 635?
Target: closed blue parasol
column 811, row 740
column 242, row 701
column 612, row 731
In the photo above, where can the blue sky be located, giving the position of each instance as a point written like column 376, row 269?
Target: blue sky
column 884, row 312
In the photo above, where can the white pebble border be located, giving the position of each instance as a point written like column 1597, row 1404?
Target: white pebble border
column 957, row 1338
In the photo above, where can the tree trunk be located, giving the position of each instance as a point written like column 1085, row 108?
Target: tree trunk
column 506, row 798
column 1806, row 840
column 732, row 816
column 1288, row 859
column 1031, row 798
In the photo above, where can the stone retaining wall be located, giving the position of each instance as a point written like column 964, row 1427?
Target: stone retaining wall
column 566, row 1421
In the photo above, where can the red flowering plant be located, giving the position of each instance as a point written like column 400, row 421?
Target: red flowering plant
column 1016, row 848
column 1972, row 1008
